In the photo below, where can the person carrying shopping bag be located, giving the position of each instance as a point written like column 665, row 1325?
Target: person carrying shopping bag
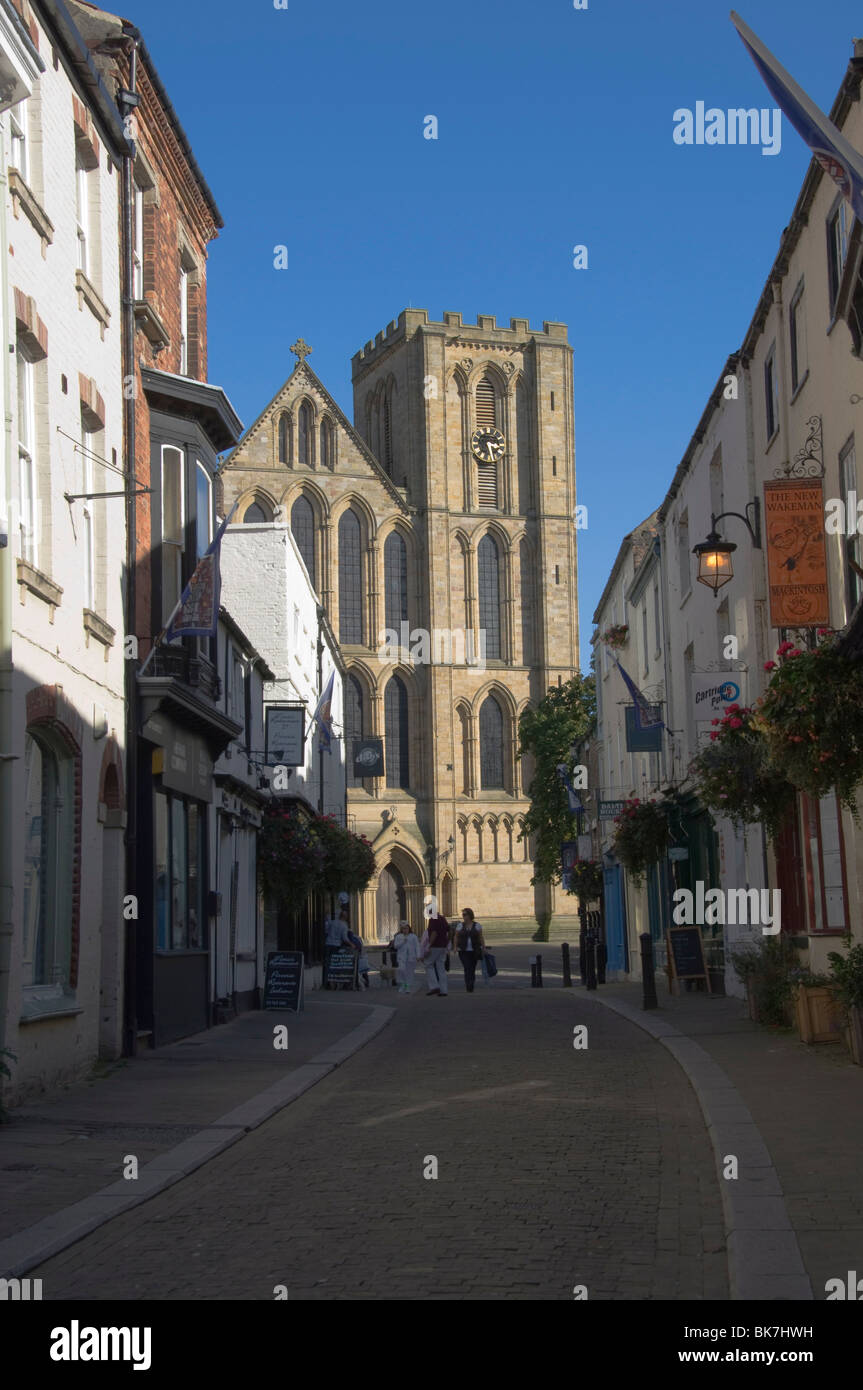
column 407, row 953
column 470, row 945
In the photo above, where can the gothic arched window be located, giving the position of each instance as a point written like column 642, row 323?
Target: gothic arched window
column 528, row 619
column 488, row 565
column 491, row 745
column 303, row 528
column 387, row 434
column 395, row 581
column 327, row 460
column 284, row 450
column 397, row 744
column 353, row 725
column 304, row 434
column 255, row 512
column 486, row 418
column 350, row 579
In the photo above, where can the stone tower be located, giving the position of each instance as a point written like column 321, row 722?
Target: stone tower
column 441, row 531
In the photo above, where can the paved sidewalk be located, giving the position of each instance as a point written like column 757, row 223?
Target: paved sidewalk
column 62, row 1158
column 805, row 1101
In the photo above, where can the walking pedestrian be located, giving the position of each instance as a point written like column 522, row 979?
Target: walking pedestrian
column 407, row 953
column 336, row 936
column 470, row 945
column 439, row 939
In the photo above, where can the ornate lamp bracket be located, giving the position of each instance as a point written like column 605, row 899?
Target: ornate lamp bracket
column 809, row 460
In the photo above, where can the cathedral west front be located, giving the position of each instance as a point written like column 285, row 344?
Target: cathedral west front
column 438, row 531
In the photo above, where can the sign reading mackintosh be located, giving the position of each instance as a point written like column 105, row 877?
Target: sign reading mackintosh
column 796, row 553
column 285, row 736
column 368, row 757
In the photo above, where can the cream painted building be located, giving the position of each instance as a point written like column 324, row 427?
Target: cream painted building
column 447, row 508
column 62, row 971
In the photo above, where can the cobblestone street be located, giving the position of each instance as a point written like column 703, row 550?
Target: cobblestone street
column 557, row 1167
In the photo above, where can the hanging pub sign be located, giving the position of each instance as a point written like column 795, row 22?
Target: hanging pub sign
column 610, row 810
column 796, row 553
column 368, row 757
column 643, row 740
column 285, row 735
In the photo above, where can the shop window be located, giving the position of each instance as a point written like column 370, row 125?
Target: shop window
column 49, row 854
column 179, row 865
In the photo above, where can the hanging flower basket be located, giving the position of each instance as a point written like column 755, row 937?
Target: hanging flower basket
column 812, row 717
column 291, row 859
column 349, row 861
column 735, row 776
column 585, row 879
column 641, row 836
column 616, row 636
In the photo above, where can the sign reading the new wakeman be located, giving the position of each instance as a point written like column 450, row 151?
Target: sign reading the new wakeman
column 712, row 693
column 796, row 553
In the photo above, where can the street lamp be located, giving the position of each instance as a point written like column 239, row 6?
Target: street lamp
column 714, row 554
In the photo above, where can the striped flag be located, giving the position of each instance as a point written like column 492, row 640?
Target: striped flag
column 324, row 716
column 836, row 156
column 647, row 716
column 197, row 613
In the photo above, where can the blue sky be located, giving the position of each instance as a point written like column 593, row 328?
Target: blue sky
column 555, row 129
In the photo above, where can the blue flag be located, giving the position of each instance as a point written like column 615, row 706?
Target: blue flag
column 576, row 806
column 647, row 716
column 836, row 156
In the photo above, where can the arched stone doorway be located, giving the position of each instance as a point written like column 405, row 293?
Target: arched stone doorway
column 446, row 903
column 391, row 902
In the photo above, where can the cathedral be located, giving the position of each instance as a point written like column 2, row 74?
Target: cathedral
column 438, row 531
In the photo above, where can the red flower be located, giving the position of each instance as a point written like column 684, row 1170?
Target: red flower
column 770, row 665
column 732, row 709
column 737, row 723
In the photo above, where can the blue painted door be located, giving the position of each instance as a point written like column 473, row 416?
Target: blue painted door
column 615, row 919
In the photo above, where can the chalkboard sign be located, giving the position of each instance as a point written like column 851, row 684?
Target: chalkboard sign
column 342, row 968
column 283, row 983
column 686, row 954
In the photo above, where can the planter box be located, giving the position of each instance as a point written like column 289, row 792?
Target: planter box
column 816, row 1014
column 854, row 1035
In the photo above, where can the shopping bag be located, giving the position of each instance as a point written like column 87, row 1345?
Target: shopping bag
column 490, row 964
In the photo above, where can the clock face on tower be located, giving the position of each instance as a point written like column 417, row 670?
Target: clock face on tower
column 487, row 444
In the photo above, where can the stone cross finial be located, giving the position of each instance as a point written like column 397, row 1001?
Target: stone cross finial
column 301, row 349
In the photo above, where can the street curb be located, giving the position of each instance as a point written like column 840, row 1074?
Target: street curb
column 38, row 1243
column 764, row 1260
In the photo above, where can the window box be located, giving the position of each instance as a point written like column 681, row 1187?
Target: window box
column 816, row 1014
column 38, row 583
column 24, row 198
column 89, row 295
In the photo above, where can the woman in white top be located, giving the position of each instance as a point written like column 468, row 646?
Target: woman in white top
column 407, row 952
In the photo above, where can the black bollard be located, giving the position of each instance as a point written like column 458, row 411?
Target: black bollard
column 539, row 972
column 533, row 972
column 648, row 979
column 582, row 953
column 590, row 948
column 567, row 977
column 601, row 962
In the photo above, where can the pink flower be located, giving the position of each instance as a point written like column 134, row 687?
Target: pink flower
column 714, row 721
column 737, row 723
column 732, row 709
column 770, row 665
column 714, row 736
